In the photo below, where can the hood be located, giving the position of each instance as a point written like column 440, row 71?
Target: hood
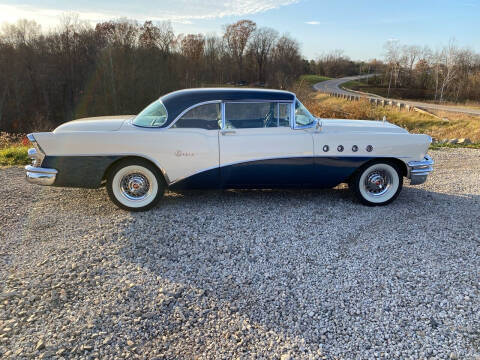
column 100, row 123
column 361, row 126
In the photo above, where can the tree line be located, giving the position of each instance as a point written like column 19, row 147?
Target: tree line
column 450, row 73
column 118, row 67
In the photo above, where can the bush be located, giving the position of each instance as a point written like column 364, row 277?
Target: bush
column 14, row 155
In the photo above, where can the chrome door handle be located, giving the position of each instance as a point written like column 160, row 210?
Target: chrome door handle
column 228, row 132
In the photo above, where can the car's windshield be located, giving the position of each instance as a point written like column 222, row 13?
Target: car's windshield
column 154, row 115
column 302, row 115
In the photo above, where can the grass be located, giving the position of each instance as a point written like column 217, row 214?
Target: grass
column 312, row 79
column 405, row 94
column 14, row 155
column 448, row 126
column 454, row 146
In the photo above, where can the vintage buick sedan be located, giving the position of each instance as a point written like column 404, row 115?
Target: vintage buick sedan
column 223, row 139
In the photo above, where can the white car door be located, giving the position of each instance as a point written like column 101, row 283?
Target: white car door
column 259, row 148
column 193, row 139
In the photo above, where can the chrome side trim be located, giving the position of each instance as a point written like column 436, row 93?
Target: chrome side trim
column 418, row 171
column 40, row 176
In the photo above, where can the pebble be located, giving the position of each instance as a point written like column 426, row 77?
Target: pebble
column 291, row 274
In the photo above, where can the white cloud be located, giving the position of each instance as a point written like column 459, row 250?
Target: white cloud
column 312, row 22
column 180, row 11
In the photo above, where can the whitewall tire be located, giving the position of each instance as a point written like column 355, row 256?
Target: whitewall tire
column 377, row 183
column 135, row 185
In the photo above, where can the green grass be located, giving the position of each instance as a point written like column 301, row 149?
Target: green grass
column 14, row 155
column 353, row 85
column 454, row 146
column 313, row 79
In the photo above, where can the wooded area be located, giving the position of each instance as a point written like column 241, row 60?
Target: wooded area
column 119, row 67
column 450, row 73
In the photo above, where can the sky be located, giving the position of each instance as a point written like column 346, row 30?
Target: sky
column 359, row 28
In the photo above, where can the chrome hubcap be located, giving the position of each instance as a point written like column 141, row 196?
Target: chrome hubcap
column 135, row 186
column 378, row 182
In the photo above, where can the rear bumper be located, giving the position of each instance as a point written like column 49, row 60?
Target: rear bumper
column 418, row 171
column 40, row 176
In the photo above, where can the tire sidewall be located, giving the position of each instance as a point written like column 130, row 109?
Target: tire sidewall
column 365, row 170
column 133, row 165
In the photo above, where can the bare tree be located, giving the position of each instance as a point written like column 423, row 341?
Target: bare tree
column 411, row 55
column 236, row 39
column 166, row 36
column 448, row 58
column 286, row 61
column 393, row 56
column 263, row 40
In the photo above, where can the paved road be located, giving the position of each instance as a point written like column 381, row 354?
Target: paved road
column 333, row 86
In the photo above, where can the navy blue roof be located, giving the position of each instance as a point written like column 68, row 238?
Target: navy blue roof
column 178, row 101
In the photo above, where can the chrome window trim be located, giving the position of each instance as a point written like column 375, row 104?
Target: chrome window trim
column 191, row 108
column 150, row 127
column 294, row 126
column 223, row 116
column 278, row 114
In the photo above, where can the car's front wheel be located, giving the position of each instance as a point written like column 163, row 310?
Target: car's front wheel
column 135, row 185
column 378, row 183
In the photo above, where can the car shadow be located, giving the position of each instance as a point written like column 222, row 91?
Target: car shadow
column 313, row 265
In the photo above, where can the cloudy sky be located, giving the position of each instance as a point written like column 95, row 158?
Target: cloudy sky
column 360, row 28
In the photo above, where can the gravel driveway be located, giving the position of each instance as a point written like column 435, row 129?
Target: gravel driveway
column 244, row 274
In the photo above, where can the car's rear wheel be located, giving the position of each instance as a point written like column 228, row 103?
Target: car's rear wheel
column 135, row 185
column 377, row 184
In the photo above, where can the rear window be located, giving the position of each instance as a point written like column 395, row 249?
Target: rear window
column 154, row 115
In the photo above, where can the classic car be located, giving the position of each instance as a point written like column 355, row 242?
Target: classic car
column 227, row 138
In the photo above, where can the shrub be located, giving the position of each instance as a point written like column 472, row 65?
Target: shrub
column 14, row 155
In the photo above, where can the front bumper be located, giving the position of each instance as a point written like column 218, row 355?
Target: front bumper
column 40, row 176
column 418, row 171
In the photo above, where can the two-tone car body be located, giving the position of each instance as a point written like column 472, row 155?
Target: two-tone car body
column 227, row 138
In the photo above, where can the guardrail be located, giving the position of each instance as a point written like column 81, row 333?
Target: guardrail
column 379, row 102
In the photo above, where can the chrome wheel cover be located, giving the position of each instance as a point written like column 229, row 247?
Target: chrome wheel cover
column 378, row 182
column 135, row 186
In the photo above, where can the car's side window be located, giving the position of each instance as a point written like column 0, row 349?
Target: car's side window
column 284, row 114
column 302, row 115
column 207, row 116
column 256, row 115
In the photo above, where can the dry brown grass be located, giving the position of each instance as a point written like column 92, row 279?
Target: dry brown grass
column 452, row 126
column 9, row 140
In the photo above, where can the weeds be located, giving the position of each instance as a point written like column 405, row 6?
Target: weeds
column 448, row 126
column 14, row 155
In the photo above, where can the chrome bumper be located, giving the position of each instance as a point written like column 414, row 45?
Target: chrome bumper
column 40, row 176
column 419, row 170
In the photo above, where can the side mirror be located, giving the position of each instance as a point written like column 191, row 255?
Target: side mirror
column 318, row 125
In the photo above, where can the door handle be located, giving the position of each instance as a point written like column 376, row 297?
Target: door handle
column 228, row 132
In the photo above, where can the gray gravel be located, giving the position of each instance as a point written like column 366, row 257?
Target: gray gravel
column 254, row 274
